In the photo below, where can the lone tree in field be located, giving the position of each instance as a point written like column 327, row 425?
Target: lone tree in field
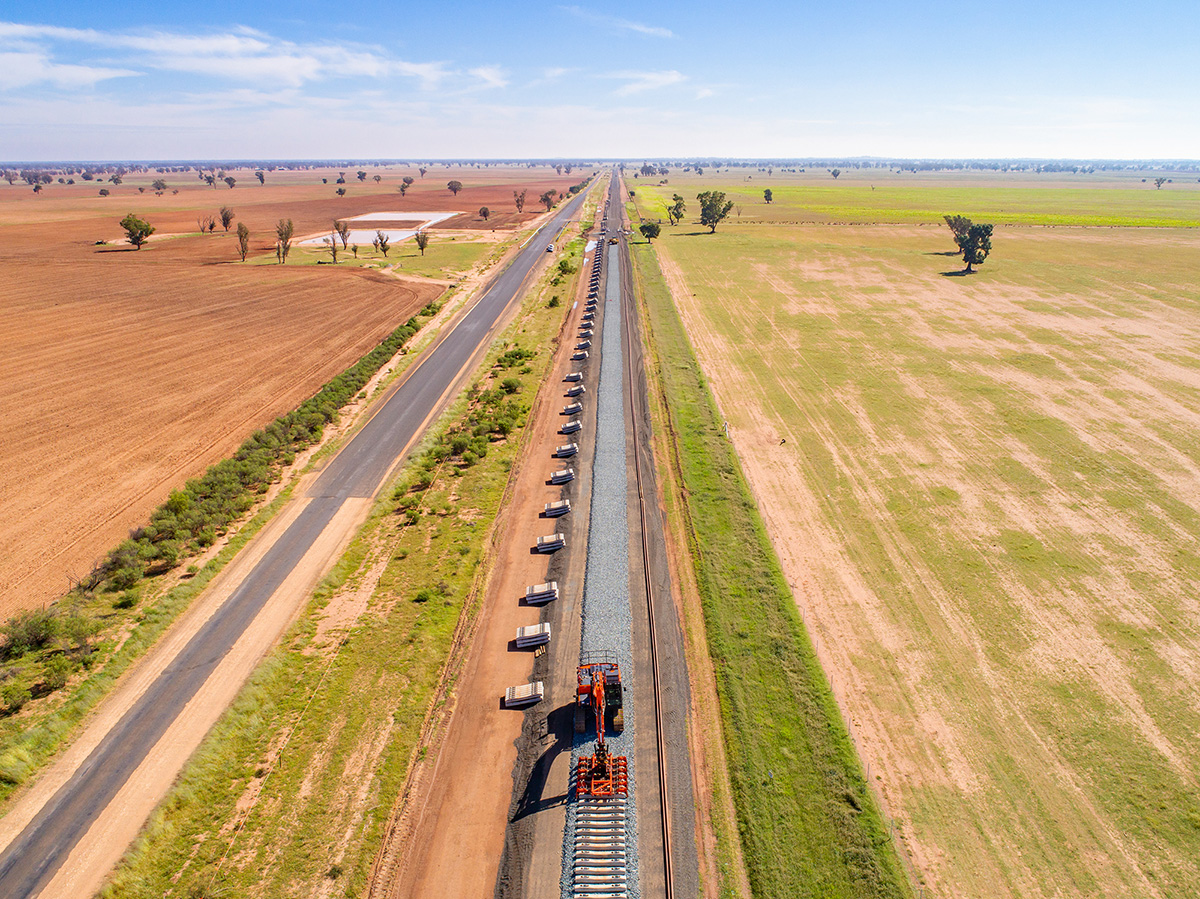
column 959, row 226
column 159, row 184
column 768, row 196
column 362, row 176
column 976, row 246
column 137, row 230
column 519, row 200
column 378, row 178
column 381, row 243
column 205, row 223
column 331, row 244
column 422, row 171
column 1159, row 182
column 835, row 173
column 484, row 212
column 230, row 180
column 713, row 208
column 341, row 191
column 650, row 230
column 262, row 179
column 226, row 217
column 676, row 210
column 454, row 187
column 243, row 235
column 342, row 229
column 421, row 238
column 283, row 234
column 548, row 199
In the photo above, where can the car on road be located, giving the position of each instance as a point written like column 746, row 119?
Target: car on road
column 550, row 248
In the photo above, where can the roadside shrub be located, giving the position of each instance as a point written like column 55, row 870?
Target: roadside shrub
column 56, row 673
column 127, row 601
column 514, row 356
column 510, row 385
column 27, row 631
column 15, row 694
column 554, row 302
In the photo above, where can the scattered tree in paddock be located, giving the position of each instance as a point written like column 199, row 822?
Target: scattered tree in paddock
column 137, row 230
column 547, row 199
column 484, row 212
column 227, row 217
column 341, row 191
column 331, row 244
column 976, row 246
column 422, row 171
column 650, row 230
column 454, row 187
column 676, row 210
column 768, row 196
column 362, row 176
column 519, row 200
column 1159, row 182
column 713, row 208
column 104, row 191
column 205, row 223
column 159, row 185
column 381, row 243
column 115, row 178
column 342, row 230
column 421, row 238
column 378, row 178
column 835, row 173
column 10, row 176
column 37, row 188
column 959, row 226
column 341, row 178
column 243, row 236
column 262, row 179
column 230, row 180
column 354, row 249
column 283, row 239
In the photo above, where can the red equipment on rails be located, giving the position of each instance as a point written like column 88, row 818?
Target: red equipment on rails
column 599, row 691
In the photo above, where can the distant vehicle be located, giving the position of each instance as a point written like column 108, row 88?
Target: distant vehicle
column 550, row 248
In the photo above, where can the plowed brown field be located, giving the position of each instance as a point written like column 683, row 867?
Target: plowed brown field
column 126, row 372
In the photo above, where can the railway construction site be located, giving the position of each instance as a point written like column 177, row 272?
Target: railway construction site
column 617, row 568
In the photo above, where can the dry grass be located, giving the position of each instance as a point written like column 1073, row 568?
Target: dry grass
column 988, row 506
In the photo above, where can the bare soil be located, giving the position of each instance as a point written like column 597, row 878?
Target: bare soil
column 126, row 372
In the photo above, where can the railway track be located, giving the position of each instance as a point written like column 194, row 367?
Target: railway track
column 636, row 406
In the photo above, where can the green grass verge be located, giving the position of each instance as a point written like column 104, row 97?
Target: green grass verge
column 809, row 826
column 350, row 703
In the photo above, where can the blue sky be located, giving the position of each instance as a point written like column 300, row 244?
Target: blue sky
column 220, row 79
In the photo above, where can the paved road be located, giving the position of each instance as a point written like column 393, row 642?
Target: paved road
column 359, row 470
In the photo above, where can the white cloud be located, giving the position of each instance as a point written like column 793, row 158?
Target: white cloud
column 704, row 93
column 242, row 54
column 490, row 76
column 23, row 68
column 637, row 82
column 618, row 23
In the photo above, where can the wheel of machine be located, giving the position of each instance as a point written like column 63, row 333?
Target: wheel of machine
column 580, row 719
column 618, row 720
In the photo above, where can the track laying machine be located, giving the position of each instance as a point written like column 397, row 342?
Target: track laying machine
column 600, row 694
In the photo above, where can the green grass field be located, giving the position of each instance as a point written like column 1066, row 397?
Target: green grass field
column 872, row 196
column 988, row 506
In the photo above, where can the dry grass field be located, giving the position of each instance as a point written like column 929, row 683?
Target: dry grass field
column 126, row 372
column 985, row 492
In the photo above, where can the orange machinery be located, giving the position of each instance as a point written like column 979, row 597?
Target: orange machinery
column 599, row 692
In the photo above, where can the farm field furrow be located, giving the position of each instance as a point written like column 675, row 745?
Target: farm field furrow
column 121, row 388
column 127, row 372
column 985, row 493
